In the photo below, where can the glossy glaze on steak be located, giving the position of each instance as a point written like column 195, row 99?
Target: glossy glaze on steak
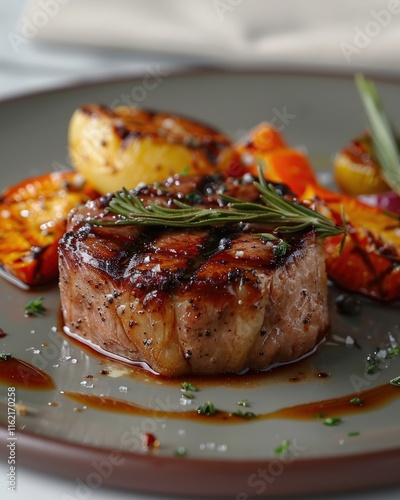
column 198, row 301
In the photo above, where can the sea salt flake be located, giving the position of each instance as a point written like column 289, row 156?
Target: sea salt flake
column 121, row 309
column 87, row 385
column 381, row 354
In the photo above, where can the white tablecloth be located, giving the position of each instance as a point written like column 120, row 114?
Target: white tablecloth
column 48, row 43
column 121, row 37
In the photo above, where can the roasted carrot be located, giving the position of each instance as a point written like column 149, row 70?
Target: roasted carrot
column 32, row 219
column 265, row 146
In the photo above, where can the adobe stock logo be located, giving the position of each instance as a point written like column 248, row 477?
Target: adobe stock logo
column 30, row 27
column 222, row 7
column 363, row 36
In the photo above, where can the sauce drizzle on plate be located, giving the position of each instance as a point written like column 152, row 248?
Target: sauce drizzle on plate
column 371, row 399
column 22, row 374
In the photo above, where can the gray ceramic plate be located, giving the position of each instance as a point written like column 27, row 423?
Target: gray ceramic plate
column 62, row 436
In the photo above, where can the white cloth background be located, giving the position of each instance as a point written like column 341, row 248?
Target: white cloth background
column 335, row 34
column 47, row 43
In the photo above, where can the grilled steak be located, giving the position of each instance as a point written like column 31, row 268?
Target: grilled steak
column 198, row 301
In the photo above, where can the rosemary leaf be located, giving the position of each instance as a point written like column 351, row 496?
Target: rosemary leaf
column 276, row 213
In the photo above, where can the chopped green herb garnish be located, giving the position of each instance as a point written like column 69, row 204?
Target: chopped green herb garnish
column 283, row 448
column 354, row 433
column 243, row 402
column 331, row 421
column 371, row 369
column 5, row 356
column 319, row 415
column 393, row 351
column 395, row 381
column 181, row 451
column 35, row 307
column 356, row 401
column 281, row 248
column 188, row 395
column 374, row 361
column 371, row 364
column 244, row 414
column 187, row 386
column 206, row 408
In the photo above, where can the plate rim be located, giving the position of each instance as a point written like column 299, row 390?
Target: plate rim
column 271, row 70
column 198, row 476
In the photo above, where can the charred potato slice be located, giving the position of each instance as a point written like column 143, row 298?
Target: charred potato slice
column 121, row 147
column 357, row 170
column 32, row 219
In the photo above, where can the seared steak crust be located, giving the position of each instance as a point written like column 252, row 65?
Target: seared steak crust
column 198, row 301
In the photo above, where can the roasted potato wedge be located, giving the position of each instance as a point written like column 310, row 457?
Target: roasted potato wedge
column 32, row 219
column 121, row 147
column 357, row 170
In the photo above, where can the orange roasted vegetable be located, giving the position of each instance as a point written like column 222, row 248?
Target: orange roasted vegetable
column 370, row 261
column 32, row 220
column 264, row 145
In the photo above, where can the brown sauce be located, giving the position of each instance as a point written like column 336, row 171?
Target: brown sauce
column 18, row 373
column 300, row 370
column 371, row 399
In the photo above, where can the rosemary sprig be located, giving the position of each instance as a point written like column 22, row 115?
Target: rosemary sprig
column 276, row 212
column 383, row 140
